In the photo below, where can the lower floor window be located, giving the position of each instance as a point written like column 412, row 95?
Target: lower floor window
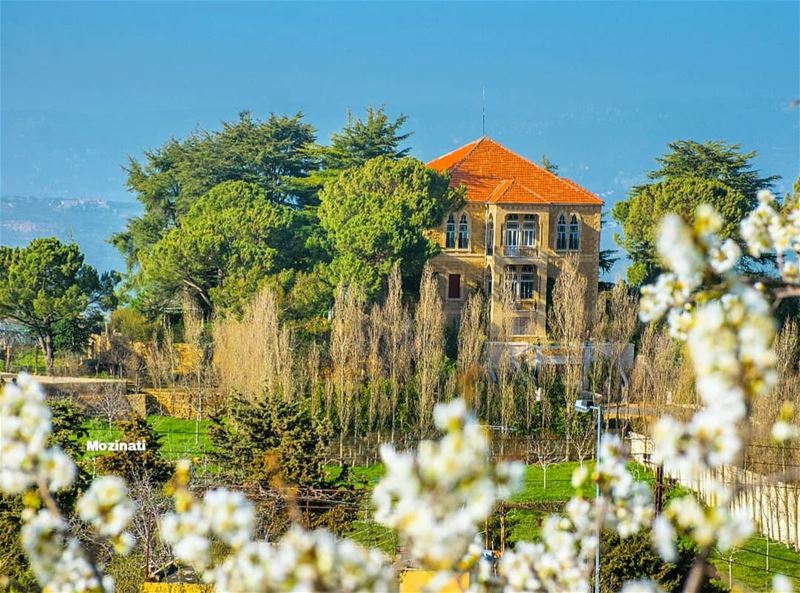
column 454, row 286
column 526, row 284
column 521, row 281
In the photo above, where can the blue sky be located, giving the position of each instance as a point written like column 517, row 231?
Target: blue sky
column 601, row 87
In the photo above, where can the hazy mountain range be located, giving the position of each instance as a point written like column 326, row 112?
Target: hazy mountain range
column 87, row 221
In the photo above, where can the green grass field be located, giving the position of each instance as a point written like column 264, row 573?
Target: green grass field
column 180, row 439
column 748, row 565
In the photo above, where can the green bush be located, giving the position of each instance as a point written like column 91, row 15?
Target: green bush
column 634, row 558
column 270, row 439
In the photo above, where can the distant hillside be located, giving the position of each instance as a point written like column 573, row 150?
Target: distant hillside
column 87, row 221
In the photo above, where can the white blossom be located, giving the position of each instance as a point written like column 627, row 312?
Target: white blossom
column 783, row 431
column 722, row 259
column 781, row 584
column 436, row 497
column 641, row 586
column 664, row 538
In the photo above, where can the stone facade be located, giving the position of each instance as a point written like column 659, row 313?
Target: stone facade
column 509, row 247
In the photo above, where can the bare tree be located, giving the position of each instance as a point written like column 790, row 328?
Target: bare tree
column 312, row 375
column 375, row 368
column 347, row 351
column 161, row 360
column 398, row 342
column 256, row 352
column 151, row 503
column 614, row 323
column 569, row 321
column 546, row 453
column 110, row 403
column 471, row 341
column 428, row 346
column 505, row 388
column 532, row 394
column 583, row 441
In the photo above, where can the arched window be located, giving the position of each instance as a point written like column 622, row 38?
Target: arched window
column 574, row 233
column 463, row 232
column 490, row 235
column 561, row 233
column 527, row 281
column 450, row 233
column 530, row 227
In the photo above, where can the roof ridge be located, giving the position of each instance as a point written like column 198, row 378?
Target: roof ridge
column 477, row 143
column 457, row 149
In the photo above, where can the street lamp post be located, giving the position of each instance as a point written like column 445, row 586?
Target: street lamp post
column 587, row 406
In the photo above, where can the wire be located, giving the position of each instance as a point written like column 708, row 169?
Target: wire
column 761, row 568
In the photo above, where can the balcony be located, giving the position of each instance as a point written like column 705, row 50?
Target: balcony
column 520, row 251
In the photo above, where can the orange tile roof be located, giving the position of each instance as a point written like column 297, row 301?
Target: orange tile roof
column 492, row 173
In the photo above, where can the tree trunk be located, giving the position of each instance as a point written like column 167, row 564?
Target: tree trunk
column 46, row 341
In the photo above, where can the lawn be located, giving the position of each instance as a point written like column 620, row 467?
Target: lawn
column 748, row 564
column 180, row 439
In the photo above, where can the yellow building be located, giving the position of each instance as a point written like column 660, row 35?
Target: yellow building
column 510, row 238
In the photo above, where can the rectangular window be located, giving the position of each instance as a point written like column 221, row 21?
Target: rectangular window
column 526, row 282
column 454, row 286
column 529, row 228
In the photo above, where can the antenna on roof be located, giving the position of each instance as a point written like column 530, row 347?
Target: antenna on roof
column 483, row 113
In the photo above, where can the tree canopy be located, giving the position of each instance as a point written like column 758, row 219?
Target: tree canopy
column 188, row 236
column 362, row 140
column 46, row 284
column 272, row 154
column 375, row 217
column 229, row 242
column 713, row 160
column 690, row 174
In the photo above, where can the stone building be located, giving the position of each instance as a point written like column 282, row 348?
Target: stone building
column 511, row 236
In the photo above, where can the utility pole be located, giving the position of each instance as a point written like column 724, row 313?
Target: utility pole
column 659, row 502
column 599, row 411
column 589, row 406
column 483, row 113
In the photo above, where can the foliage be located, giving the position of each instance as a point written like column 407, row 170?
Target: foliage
column 279, row 157
column 72, row 333
column 270, row 439
column 130, row 464
column 633, row 558
column 641, row 213
column 270, row 154
column 715, row 160
column 131, row 325
column 689, row 174
column 363, row 140
column 48, row 282
column 549, row 165
column 228, row 241
column 69, row 428
column 375, row 217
